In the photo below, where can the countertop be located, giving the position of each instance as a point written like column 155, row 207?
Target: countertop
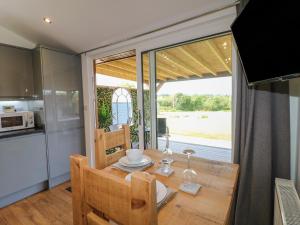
column 16, row 133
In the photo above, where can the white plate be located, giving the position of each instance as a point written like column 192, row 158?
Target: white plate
column 161, row 189
column 143, row 162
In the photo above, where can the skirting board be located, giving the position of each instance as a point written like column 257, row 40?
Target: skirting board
column 59, row 180
column 12, row 198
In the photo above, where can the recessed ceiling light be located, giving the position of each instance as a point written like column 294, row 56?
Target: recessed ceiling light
column 47, row 20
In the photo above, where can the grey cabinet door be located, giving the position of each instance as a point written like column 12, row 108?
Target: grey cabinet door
column 63, row 108
column 16, row 72
column 37, row 74
column 62, row 90
column 23, row 163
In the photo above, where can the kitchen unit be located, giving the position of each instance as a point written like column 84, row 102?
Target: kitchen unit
column 35, row 159
column 23, row 166
column 62, row 93
column 16, row 72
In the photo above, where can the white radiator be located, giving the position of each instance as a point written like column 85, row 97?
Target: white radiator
column 286, row 204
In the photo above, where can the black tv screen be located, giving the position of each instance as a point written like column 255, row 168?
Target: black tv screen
column 266, row 34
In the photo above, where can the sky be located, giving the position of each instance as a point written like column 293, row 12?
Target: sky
column 210, row 86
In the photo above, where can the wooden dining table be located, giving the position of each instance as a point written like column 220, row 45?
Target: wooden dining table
column 211, row 205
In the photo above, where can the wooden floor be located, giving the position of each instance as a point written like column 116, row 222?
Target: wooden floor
column 49, row 207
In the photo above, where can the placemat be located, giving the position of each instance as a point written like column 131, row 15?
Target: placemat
column 159, row 171
column 190, row 188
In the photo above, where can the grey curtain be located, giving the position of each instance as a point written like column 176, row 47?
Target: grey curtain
column 262, row 146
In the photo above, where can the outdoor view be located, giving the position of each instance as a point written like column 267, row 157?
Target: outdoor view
column 192, row 96
column 198, row 116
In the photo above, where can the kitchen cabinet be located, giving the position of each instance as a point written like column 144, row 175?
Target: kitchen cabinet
column 37, row 74
column 34, row 162
column 62, row 94
column 16, row 72
column 23, row 165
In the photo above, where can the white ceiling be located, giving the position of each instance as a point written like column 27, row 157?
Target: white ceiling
column 80, row 25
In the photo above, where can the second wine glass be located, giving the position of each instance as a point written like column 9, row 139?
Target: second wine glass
column 189, row 175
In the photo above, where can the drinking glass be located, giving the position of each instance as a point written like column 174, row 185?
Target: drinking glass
column 167, row 151
column 165, row 166
column 189, row 175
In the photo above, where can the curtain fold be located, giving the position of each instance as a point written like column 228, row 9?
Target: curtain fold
column 262, row 146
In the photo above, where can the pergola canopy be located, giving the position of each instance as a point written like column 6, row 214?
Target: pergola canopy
column 196, row 60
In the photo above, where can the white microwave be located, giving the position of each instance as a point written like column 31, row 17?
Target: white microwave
column 16, row 120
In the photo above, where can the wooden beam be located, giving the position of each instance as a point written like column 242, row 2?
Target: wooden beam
column 160, row 85
column 130, row 63
column 166, row 69
column 160, row 73
column 197, row 59
column 113, row 73
column 216, row 51
column 167, row 57
column 163, row 70
column 121, row 65
column 117, row 69
column 112, row 70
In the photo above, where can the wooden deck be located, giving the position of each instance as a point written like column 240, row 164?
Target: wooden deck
column 52, row 207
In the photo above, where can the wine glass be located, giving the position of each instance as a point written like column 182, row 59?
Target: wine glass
column 189, row 175
column 167, row 152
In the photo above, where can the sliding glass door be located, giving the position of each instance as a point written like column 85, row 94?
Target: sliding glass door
column 117, row 90
column 187, row 97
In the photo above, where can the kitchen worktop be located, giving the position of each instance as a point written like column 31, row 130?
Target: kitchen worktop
column 16, row 133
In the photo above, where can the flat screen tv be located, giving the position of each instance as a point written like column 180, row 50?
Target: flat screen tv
column 267, row 36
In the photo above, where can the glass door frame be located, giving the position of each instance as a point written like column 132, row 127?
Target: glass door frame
column 153, row 82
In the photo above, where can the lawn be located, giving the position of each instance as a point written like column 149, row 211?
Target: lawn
column 202, row 124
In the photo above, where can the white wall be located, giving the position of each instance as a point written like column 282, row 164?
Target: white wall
column 295, row 130
column 211, row 24
column 10, row 38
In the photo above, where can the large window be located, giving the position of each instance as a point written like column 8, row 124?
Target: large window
column 190, row 97
column 121, row 106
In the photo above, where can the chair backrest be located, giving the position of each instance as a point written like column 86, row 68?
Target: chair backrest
column 96, row 192
column 108, row 140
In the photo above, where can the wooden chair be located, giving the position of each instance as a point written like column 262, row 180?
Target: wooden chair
column 98, row 196
column 107, row 140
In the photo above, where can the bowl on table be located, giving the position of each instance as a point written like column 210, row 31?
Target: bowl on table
column 134, row 155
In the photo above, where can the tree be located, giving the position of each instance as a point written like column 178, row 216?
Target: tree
column 183, row 102
column 198, row 102
column 194, row 103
